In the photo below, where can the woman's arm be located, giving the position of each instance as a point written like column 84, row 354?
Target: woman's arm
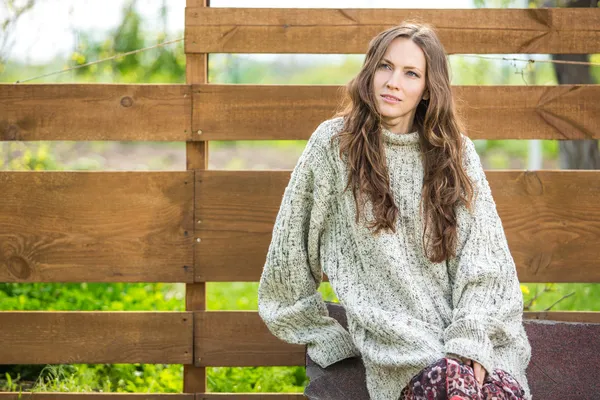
column 288, row 300
column 486, row 295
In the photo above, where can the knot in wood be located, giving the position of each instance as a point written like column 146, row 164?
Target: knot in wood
column 11, row 132
column 18, row 267
column 126, row 101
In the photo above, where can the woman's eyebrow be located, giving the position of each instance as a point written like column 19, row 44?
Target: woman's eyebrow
column 406, row 67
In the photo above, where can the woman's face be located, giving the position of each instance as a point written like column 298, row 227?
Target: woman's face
column 399, row 84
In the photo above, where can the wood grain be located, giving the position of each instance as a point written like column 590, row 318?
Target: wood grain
column 196, row 158
column 250, row 396
column 551, row 220
column 261, row 112
column 155, row 112
column 552, row 223
column 342, row 31
column 237, row 210
column 240, row 338
column 58, row 226
column 254, row 112
column 52, row 337
column 564, row 316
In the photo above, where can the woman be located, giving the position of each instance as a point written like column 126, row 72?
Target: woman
column 415, row 251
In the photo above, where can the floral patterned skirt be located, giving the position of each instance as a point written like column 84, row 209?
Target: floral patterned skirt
column 449, row 378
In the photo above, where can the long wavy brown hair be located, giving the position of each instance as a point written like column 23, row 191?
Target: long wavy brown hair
column 445, row 183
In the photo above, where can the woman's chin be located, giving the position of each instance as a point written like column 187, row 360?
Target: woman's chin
column 390, row 111
column 387, row 115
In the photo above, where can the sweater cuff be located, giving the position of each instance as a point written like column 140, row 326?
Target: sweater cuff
column 332, row 347
column 468, row 338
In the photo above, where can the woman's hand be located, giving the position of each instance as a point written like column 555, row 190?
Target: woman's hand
column 478, row 369
column 480, row 372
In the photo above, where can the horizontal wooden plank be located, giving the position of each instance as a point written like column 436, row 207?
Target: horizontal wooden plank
column 240, row 338
column 240, row 112
column 155, row 112
column 237, row 210
column 52, row 337
column 250, row 396
column 95, row 396
column 328, row 30
column 551, row 220
column 81, row 226
column 564, row 316
column 222, row 338
column 552, row 223
column 244, row 112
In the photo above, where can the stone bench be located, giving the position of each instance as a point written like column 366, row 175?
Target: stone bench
column 565, row 364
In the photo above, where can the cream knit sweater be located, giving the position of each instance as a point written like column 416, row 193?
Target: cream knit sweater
column 404, row 312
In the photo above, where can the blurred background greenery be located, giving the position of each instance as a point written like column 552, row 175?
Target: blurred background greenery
column 167, row 65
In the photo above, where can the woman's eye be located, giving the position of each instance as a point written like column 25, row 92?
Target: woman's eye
column 384, row 65
column 411, row 72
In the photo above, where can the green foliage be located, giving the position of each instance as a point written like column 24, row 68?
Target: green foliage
column 31, row 159
column 496, row 3
column 258, row 379
column 595, row 69
column 286, row 69
column 91, row 296
column 561, row 296
column 223, row 296
column 165, row 64
column 140, row 378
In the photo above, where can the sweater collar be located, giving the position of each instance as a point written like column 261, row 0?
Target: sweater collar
column 399, row 138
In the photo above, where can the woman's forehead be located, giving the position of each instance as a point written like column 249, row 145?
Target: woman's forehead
column 405, row 53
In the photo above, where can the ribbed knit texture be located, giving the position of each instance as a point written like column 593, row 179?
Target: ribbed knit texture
column 404, row 312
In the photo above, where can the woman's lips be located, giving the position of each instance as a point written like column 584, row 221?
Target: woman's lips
column 390, row 99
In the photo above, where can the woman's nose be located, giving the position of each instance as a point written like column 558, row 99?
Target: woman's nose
column 392, row 84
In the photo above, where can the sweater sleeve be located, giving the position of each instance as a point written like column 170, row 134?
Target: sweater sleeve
column 288, row 300
column 486, row 295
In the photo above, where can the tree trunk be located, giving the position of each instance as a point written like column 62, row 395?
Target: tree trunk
column 575, row 154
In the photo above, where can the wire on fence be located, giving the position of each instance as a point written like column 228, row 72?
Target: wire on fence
column 532, row 61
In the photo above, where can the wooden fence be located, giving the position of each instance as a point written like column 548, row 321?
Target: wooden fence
column 200, row 225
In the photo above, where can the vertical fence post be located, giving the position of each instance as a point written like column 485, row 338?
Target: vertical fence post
column 194, row 377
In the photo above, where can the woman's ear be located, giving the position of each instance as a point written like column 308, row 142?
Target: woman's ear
column 426, row 95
